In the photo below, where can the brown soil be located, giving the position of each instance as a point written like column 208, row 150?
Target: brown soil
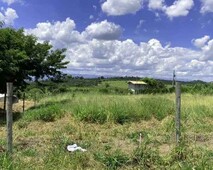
column 18, row 107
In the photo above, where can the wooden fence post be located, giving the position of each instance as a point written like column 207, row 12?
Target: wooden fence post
column 178, row 111
column 23, row 102
column 173, row 81
column 5, row 96
column 9, row 105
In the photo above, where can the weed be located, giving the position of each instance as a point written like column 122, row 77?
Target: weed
column 22, row 124
column 112, row 160
column 146, row 156
column 134, row 136
column 5, row 162
column 29, row 152
column 185, row 157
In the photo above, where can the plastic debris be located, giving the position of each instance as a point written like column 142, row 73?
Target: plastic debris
column 14, row 98
column 75, row 147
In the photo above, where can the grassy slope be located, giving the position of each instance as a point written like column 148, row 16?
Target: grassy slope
column 41, row 145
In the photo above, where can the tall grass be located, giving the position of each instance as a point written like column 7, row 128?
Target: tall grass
column 121, row 109
column 108, row 126
column 45, row 112
column 98, row 108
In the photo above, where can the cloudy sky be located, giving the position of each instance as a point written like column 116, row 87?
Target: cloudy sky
column 122, row 37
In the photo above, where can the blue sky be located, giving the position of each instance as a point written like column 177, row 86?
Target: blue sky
column 122, row 37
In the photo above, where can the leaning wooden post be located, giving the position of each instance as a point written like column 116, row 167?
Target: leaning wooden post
column 9, row 118
column 23, row 101
column 178, row 111
column 5, row 96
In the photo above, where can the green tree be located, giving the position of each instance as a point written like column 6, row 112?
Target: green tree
column 23, row 58
column 155, row 86
column 150, row 81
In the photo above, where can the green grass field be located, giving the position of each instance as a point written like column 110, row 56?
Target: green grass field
column 109, row 126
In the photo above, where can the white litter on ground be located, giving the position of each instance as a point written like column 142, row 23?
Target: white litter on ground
column 1, row 97
column 75, row 147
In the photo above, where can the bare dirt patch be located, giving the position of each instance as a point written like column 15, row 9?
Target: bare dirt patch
column 18, row 107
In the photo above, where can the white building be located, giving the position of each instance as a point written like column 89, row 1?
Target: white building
column 136, row 86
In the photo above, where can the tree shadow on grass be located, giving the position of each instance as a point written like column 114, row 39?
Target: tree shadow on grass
column 3, row 119
column 65, row 101
column 18, row 115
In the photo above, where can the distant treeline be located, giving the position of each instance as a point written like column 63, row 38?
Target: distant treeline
column 198, row 88
column 109, row 86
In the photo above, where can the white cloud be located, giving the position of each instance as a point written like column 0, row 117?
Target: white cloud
column 206, row 45
column 121, row 7
column 120, row 58
column 140, row 24
column 146, row 59
column 200, row 42
column 196, row 65
column 8, row 16
column 103, row 30
column 207, row 6
column 125, row 58
column 91, row 17
column 64, row 33
column 58, row 33
column 9, row 2
column 208, row 51
column 94, row 7
column 179, row 8
column 156, row 4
